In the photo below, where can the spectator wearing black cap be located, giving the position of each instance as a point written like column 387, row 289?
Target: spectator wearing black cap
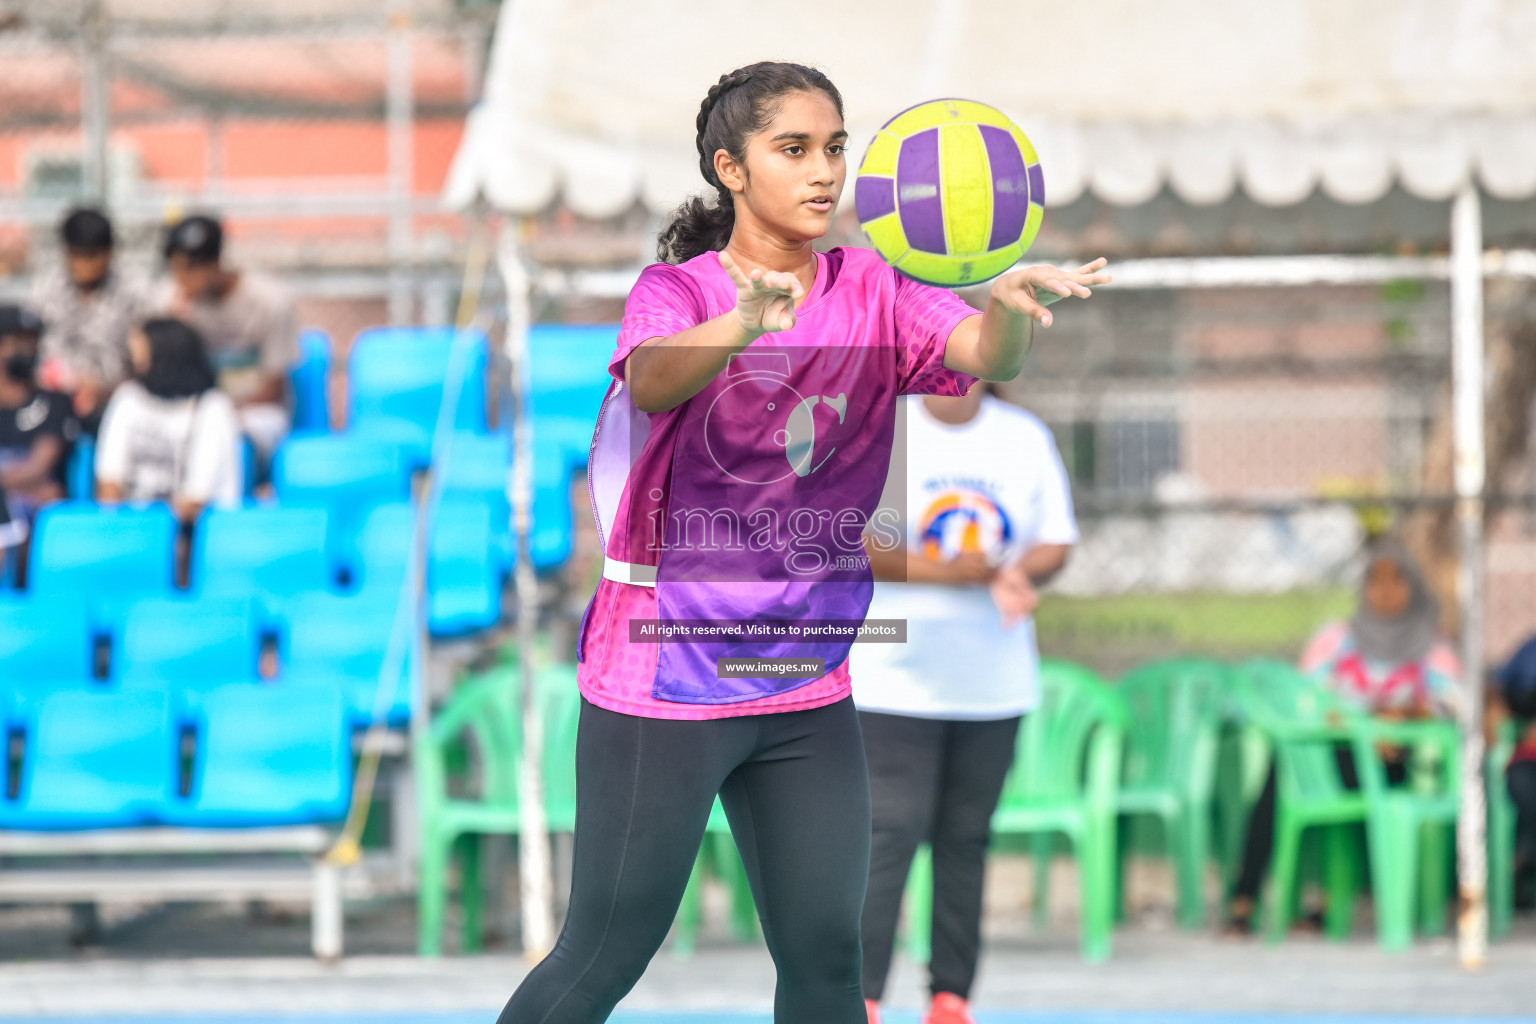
column 88, row 308
column 1515, row 696
column 247, row 320
column 36, row 428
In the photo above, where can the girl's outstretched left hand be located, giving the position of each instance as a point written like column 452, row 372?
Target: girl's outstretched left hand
column 1030, row 290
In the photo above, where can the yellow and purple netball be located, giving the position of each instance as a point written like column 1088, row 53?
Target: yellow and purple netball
column 950, row 192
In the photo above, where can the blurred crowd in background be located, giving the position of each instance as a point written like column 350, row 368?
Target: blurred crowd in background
column 171, row 378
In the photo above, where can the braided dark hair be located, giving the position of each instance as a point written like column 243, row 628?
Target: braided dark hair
column 737, row 107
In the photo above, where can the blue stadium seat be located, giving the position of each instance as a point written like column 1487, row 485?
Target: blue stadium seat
column 267, row 552
column 347, row 474
column 248, row 467
column 91, row 760
column 344, row 641
column 268, row 755
column 110, row 554
column 381, row 554
column 188, row 646
column 80, row 470
column 309, row 379
column 480, row 465
column 562, row 440
column 463, row 581
column 551, row 536
column 568, row 369
column 464, row 584
column 396, row 376
column 568, row 376
column 45, row 644
column 477, row 462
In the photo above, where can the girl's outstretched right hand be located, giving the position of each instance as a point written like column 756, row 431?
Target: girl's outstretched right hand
column 765, row 300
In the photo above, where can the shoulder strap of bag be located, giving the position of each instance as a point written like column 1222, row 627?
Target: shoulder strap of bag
column 186, row 443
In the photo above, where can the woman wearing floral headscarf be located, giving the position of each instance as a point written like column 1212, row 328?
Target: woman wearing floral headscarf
column 1391, row 661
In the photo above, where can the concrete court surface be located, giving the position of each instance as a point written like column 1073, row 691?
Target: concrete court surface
column 200, row 965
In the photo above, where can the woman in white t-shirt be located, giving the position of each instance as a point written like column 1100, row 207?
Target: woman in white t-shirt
column 169, row 434
column 989, row 518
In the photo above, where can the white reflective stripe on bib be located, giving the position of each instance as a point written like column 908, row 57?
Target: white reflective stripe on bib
column 629, row 572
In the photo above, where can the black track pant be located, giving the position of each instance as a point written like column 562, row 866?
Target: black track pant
column 1259, row 843
column 796, row 792
column 1521, row 780
column 936, row 782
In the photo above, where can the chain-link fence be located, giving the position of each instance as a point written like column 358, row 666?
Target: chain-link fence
column 1232, row 448
column 321, row 130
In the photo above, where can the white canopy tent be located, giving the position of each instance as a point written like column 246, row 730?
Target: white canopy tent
column 592, row 103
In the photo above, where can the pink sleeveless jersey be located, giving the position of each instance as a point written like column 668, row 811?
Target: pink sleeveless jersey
column 745, row 503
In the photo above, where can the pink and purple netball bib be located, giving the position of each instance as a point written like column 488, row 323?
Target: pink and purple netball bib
column 745, row 505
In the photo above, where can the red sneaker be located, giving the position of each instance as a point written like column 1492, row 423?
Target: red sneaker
column 873, row 1009
column 948, row 1008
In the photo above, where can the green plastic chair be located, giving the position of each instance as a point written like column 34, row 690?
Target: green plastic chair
column 1501, row 833
column 1417, row 826
column 1169, row 768
column 1065, row 771
column 455, row 813
column 717, row 855
column 485, row 708
column 560, row 699
column 1409, row 826
column 1304, row 722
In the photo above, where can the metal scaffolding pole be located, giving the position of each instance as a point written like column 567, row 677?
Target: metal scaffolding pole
column 400, row 106
column 1469, row 381
column 95, row 103
column 533, row 856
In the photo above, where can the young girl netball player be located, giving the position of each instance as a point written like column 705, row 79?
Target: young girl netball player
column 737, row 460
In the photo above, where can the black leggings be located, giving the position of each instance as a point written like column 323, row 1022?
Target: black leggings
column 796, row 792
column 935, row 782
column 1259, row 843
